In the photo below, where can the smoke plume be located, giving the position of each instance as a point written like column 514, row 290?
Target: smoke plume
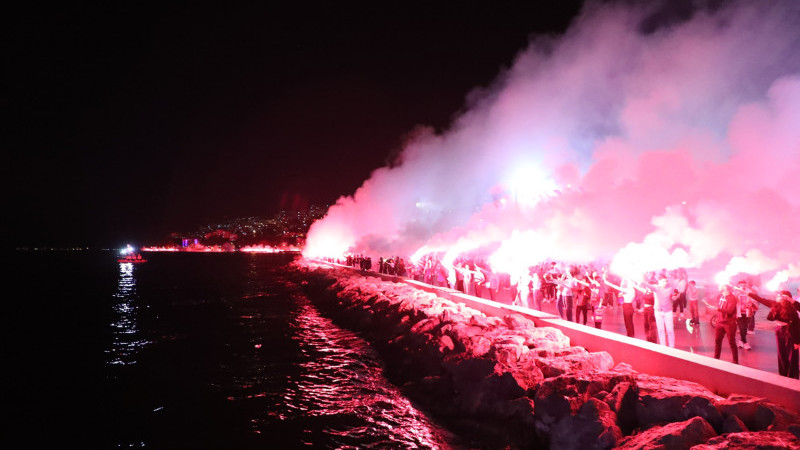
column 632, row 140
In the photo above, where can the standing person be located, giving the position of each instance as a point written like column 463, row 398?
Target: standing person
column 582, row 293
column 680, row 285
column 513, row 280
column 784, row 312
column 476, row 278
column 691, row 298
column 461, row 283
column 550, row 277
column 489, row 280
column 568, row 291
column 726, row 323
column 663, row 311
column 598, row 308
column 559, row 300
column 628, row 295
column 746, row 308
column 524, row 289
column 648, row 305
column 427, row 271
column 599, row 288
column 452, row 277
column 536, row 289
column 611, row 295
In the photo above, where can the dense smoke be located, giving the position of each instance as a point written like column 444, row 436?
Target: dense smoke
column 644, row 144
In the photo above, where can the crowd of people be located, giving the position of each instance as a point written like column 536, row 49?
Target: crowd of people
column 583, row 291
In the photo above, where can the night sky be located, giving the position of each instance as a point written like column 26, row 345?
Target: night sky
column 129, row 122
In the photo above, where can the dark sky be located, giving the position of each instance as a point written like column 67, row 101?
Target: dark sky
column 130, row 122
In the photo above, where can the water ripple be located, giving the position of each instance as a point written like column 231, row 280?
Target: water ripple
column 340, row 383
column 127, row 340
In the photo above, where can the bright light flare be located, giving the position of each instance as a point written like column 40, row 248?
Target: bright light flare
column 424, row 250
column 516, row 253
column 723, row 278
column 777, row 281
column 529, row 184
column 636, row 259
column 327, row 243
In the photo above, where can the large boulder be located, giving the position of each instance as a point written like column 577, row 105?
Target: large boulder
column 527, row 374
column 662, row 399
column 575, row 362
column 518, row 322
column 676, row 435
column 703, row 407
column 765, row 440
column 733, row 424
column 546, row 338
column 623, row 400
column 555, row 399
column 508, row 354
column 592, row 427
column 757, row 413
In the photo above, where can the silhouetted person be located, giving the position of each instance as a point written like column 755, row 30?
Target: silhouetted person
column 784, row 312
column 726, row 323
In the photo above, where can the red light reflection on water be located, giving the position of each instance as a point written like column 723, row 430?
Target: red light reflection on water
column 340, row 377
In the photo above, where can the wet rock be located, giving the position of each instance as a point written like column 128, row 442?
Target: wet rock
column 703, row 407
column 481, row 386
column 765, row 440
column 677, row 435
column 662, row 399
column 521, row 410
column 593, row 427
column 733, row 424
column 557, row 397
column 757, row 413
column 624, row 399
column 466, row 372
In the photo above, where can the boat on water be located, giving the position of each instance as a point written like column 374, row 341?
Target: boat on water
column 130, row 255
column 136, row 258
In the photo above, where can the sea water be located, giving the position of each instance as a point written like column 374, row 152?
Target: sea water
column 190, row 350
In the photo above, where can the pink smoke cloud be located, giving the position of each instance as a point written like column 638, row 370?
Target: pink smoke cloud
column 676, row 147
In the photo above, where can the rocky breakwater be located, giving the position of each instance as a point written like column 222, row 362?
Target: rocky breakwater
column 518, row 385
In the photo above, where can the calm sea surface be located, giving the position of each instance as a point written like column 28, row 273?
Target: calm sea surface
column 189, row 351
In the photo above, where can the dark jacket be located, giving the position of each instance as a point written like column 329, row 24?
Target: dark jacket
column 726, row 311
column 783, row 311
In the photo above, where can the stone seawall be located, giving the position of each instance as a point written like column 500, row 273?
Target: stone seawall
column 522, row 386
